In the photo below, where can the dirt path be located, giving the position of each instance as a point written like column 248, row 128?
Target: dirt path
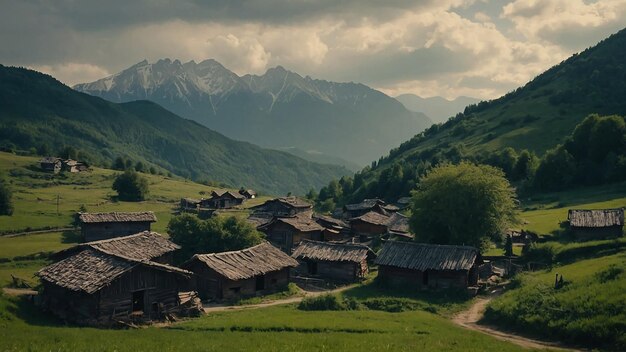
column 220, row 308
column 35, row 232
column 19, row 291
column 470, row 317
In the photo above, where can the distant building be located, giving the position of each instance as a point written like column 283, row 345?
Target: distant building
column 334, row 229
column 596, row 224
column 222, row 200
column 428, row 266
column 369, row 225
column 248, row 272
column 351, row 211
column 287, row 232
column 248, row 193
column 334, row 261
column 72, row 166
column 189, row 204
column 284, row 206
column 100, row 226
column 115, row 280
column 398, row 226
column 51, row 164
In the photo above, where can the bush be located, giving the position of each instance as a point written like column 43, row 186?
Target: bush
column 322, row 302
column 6, row 201
column 396, row 305
column 130, row 186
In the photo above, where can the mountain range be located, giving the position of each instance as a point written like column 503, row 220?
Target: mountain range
column 36, row 110
column 537, row 117
column 438, row 109
column 279, row 109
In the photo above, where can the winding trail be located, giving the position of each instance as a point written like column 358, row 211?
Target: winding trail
column 469, row 319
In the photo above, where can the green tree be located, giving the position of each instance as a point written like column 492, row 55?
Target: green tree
column 556, row 170
column 217, row 234
column 6, row 198
column 607, row 135
column 139, row 167
column 119, row 164
column 462, row 204
column 130, row 186
column 526, row 165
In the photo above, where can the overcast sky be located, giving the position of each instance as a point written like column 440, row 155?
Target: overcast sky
column 479, row 48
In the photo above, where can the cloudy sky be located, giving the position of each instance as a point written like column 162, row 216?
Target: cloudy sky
column 479, row 48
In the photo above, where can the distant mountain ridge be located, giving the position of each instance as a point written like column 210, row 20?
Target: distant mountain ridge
column 279, row 109
column 438, row 109
column 36, row 109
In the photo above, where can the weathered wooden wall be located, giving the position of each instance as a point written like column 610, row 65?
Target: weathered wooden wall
column 399, row 277
column 211, row 285
column 597, row 233
column 103, row 231
column 366, row 229
column 286, row 237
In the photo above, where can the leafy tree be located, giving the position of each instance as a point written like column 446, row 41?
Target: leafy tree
column 462, row 204
column 130, row 186
column 217, row 234
column 328, row 205
column 6, row 198
column 139, row 167
column 556, row 170
column 152, row 170
column 311, row 195
column 607, row 135
column 119, row 164
column 43, row 150
column 69, row 152
column 526, row 165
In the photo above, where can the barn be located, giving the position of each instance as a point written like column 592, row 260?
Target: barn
column 284, row 206
column 51, row 164
column 428, row 266
column 100, row 226
column 248, row 272
column 333, row 261
column 189, row 204
column 369, row 225
column 368, row 205
column 596, row 224
column 222, row 200
column 287, row 232
column 113, row 281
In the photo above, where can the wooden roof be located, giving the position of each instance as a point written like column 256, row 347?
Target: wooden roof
column 335, row 252
column 373, row 218
column 224, row 193
column 596, row 218
column 302, row 222
column 247, row 263
column 419, row 256
column 365, row 204
column 89, row 271
column 49, row 160
column 398, row 223
column 140, row 216
column 141, row 246
column 291, row 202
column 328, row 221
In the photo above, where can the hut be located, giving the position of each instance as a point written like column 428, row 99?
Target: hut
column 428, row 266
column 596, row 224
column 287, row 232
column 248, row 272
column 222, row 200
column 398, row 226
column 284, row 206
column 141, row 246
column 248, row 193
column 100, row 226
column 51, row 164
column 334, row 229
column 72, row 166
column 189, row 204
column 369, row 225
column 94, row 287
column 334, row 261
column 351, row 211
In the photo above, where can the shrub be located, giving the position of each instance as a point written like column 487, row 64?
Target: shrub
column 322, row 302
column 130, row 186
column 6, row 201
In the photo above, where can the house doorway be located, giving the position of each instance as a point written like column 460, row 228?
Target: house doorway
column 260, row 283
column 312, row 268
column 138, row 301
column 425, row 278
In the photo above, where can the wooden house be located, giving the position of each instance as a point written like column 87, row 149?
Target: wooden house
column 287, row 232
column 284, row 206
column 369, row 225
column 144, row 245
column 334, row 229
column 222, row 200
column 596, row 224
column 72, row 166
column 398, row 226
column 51, row 164
column 249, row 272
column 189, row 204
column 100, row 226
column 428, row 266
column 113, row 281
column 351, row 211
column 248, row 193
column 333, row 261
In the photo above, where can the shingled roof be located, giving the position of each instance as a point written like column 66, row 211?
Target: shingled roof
column 301, row 222
column 90, row 270
column 141, row 246
column 418, row 256
column 221, row 193
column 335, row 252
column 140, row 216
column 374, row 218
column 365, row 204
column 596, row 218
column 292, row 202
column 398, row 223
column 247, row 263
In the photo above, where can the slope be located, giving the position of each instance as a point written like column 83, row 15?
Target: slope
column 279, row 109
column 437, row 108
column 35, row 109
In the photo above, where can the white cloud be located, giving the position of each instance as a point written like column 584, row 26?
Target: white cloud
column 72, row 73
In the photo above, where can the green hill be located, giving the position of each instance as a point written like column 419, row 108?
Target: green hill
column 536, row 117
column 37, row 110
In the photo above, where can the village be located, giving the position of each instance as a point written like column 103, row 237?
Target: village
column 125, row 274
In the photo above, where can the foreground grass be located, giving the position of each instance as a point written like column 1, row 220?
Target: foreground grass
column 281, row 328
column 589, row 310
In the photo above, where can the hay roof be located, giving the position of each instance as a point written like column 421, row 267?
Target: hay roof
column 398, row 223
column 596, row 218
column 418, row 256
column 328, row 251
column 91, row 270
column 141, row 246
column 247, row 263
column 374, row 218
column 140, row 216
